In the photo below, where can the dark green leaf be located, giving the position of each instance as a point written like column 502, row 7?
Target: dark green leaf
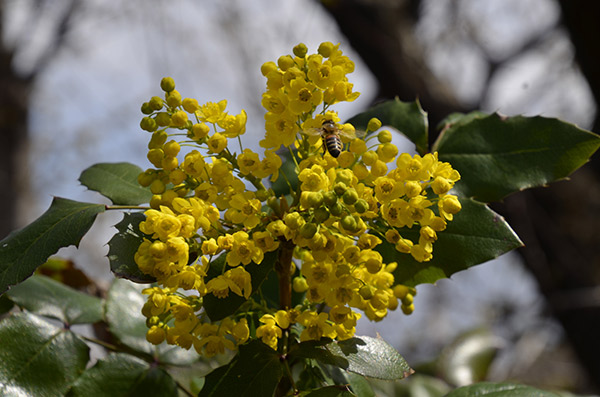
column 46, row 297
column 63, row 224
column 218, row 309
column 123, row 375
column 467, row 359
column 5, row 304
column 490, row 389
column 123, row 313
column 123, row 246
column 498, row 155
column 476, row 235
column 359, row 385
column 454, row 119
column 407, row 117
column 41, row 359
column 330, row 391
column 117, row 181
column 316, row 350
column 255, row 371
column 371, row 357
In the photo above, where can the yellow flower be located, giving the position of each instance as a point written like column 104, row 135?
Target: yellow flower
column 212, row 112
column 243, row 250
column 240, row 281
column 217, row 143
column 316, row 326
column 313, row 179
column 265, row 241
column 275, row 101
column 304, row 96
column 244, row 209
column 269, row 331
column 280, row 129
column 234, row 125
column 387, row 189
column 248, row 162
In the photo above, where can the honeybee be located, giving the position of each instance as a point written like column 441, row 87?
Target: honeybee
column 332, row 136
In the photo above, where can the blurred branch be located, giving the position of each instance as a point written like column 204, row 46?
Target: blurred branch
column 382, row 32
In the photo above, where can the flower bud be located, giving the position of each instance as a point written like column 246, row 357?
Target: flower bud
column 167, row 84
column 408, row 309
column 171, row 148
column 321, row 214
column 145, row 178
column 384, row 136
column 146, row 108
column 157, row 187
column 340, row 188
column 148, row 124
column 300, row 50
column 267, row 68
column 308, row 230
column 285, row 62
column 374, row 124
column 163, row 119
column 361, row 206
column 156, row 103
column 325, row 49
column 330, row 198
column 299, row 285
column 366, row 292
column 348, row 222
column 174, row 99
column 350, row 196
column 336, row 209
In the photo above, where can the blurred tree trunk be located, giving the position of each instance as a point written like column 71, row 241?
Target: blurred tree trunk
column 15, row 95
column 559, row 225
column 14, row 105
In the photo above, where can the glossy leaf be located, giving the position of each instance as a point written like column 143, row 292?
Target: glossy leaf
column 123, row 375
column 329, row 391
column 62, row 225
column 407, row 117
column 41, row 359
column 490, row 389
column 218, row 309
column 476, row 235
column 498, row 155
column 123, row 246
column 46, row 297
column 123, row 314
column 371, row 357
column 467, row 359
column 117, row 181
column 254, row 371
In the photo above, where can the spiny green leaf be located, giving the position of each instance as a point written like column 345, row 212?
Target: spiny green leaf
column 498, row 155
column 477, row 234
column 255, row 371
column 123, row 246
column 46, row 297
column 41, row 359
column 123, row 375
column 371, row 357
column 407, row 117
column 490, row 389
column 117, row 181
column 218, row 309
column 62, row 225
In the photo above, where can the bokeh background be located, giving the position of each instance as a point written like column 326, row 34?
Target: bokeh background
column 74, row 73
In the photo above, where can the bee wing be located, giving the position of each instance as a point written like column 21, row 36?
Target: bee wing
column 312, row 131
column 351, row 135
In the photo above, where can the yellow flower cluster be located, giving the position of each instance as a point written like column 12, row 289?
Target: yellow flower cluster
column 344, row 207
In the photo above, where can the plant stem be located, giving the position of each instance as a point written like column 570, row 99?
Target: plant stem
column 284, row 274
